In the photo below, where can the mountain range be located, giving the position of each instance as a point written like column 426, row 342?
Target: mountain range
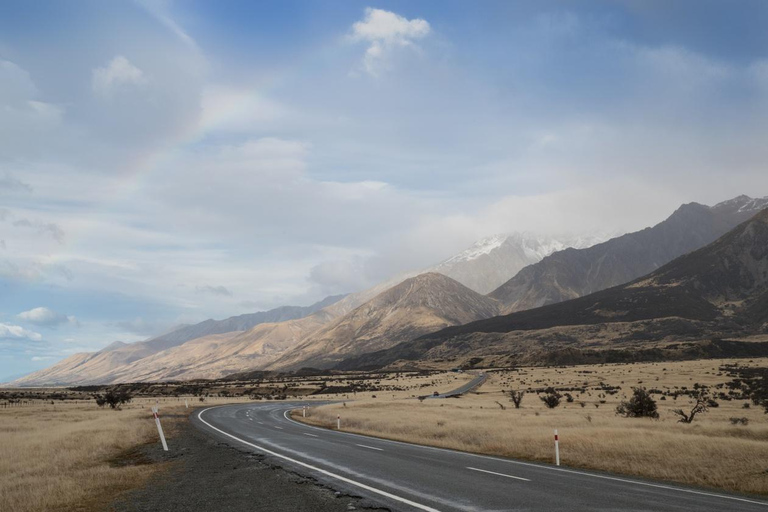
column 574, row 273
column 420, row 316
column 494, row 260
column 685, row 306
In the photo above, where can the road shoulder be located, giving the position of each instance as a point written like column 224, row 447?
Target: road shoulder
column 207, row 474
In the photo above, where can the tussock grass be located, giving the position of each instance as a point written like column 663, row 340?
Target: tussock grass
column 74, row 456
column 710, row 452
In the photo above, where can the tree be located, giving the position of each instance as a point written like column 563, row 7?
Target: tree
column 114, row 398
column 641, row 405
column 701, row 406
column 552, row 398
column 517, row 397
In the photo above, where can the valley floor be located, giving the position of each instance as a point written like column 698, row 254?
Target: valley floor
column 717, row 450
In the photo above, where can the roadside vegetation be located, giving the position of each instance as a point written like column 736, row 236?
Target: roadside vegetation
column 76, row 448
column 624, row 418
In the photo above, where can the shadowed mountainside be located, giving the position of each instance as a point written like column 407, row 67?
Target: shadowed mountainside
column 719, row 290
column 574, row 273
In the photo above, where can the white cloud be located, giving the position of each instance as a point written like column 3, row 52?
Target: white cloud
column 119, row 74
column 8, row 331
column 215, row 290
column 386, row 31
column 46, row 317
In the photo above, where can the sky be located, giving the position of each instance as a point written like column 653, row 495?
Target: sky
column 167, row 162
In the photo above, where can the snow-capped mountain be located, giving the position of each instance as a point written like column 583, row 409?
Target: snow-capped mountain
column 495, row 259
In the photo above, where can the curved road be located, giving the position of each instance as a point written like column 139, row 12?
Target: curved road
column 409, row 477
column 466, row 388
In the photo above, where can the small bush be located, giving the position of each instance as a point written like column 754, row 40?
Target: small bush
column 739, row 421
column 641, row 405
column 551, row 399
column 517, row 397
column 114, row 398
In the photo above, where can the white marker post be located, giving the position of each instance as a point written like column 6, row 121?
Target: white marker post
column 159, row 428
column 186, row 403
column 338, row 422
column 304, row 412
column 557, row 448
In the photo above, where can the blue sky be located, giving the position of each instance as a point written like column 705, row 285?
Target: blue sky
column 165, row 162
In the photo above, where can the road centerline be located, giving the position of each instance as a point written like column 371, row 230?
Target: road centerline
column 369, row 447
column 500, row 474
column 320, row 470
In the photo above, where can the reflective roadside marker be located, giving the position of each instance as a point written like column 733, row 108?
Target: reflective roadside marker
column 159, row 428
column 557, row 448
column 338, row 421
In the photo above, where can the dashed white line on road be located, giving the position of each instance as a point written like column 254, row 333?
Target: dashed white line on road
column 499, row 474
column 319, row 470
column 310, row 435
column 281, row 428
column 370, row 447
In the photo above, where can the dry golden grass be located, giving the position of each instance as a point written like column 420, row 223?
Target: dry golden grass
column 710, row 452
column 73, row 456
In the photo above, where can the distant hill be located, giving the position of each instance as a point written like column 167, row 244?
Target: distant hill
column 574, row 273
column 416, row 306
column 98, row 367
column 718, row 291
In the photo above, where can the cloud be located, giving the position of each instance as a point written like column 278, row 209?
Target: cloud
column 339, row 276
column 8, row 182
column 47, row 317
column 12, row 332
column 385, row 32
column 43, row 228
column 214, row 290
column 119, row 74
column 142, row 327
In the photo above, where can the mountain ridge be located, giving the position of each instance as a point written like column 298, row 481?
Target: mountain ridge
column 718, row 290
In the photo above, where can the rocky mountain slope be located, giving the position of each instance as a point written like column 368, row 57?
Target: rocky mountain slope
column 492, row 261
column 103, row 366
column 414, row 307
column 718, row 291
column 574, row 273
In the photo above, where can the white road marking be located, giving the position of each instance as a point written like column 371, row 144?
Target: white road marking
column 311, row 435
column 537, row 466
column 322, row 471
column 499, row 474
column 281, row 428
column 370, row 447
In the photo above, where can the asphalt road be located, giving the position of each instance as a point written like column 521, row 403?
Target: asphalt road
column 466, row 388
column 409, row 477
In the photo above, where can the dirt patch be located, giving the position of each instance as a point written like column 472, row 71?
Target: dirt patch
column 206, row 474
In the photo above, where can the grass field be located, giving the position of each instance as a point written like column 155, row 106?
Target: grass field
column 72, row 455
column 710, row 452
column 76, row 456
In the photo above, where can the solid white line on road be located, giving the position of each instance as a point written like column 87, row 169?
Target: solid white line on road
column 322, row 471
column 311, row 435
column 537, row 466
column 370, row 447
column 499, row 474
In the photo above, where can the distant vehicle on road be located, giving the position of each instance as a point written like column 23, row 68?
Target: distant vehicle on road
column 435, row 394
